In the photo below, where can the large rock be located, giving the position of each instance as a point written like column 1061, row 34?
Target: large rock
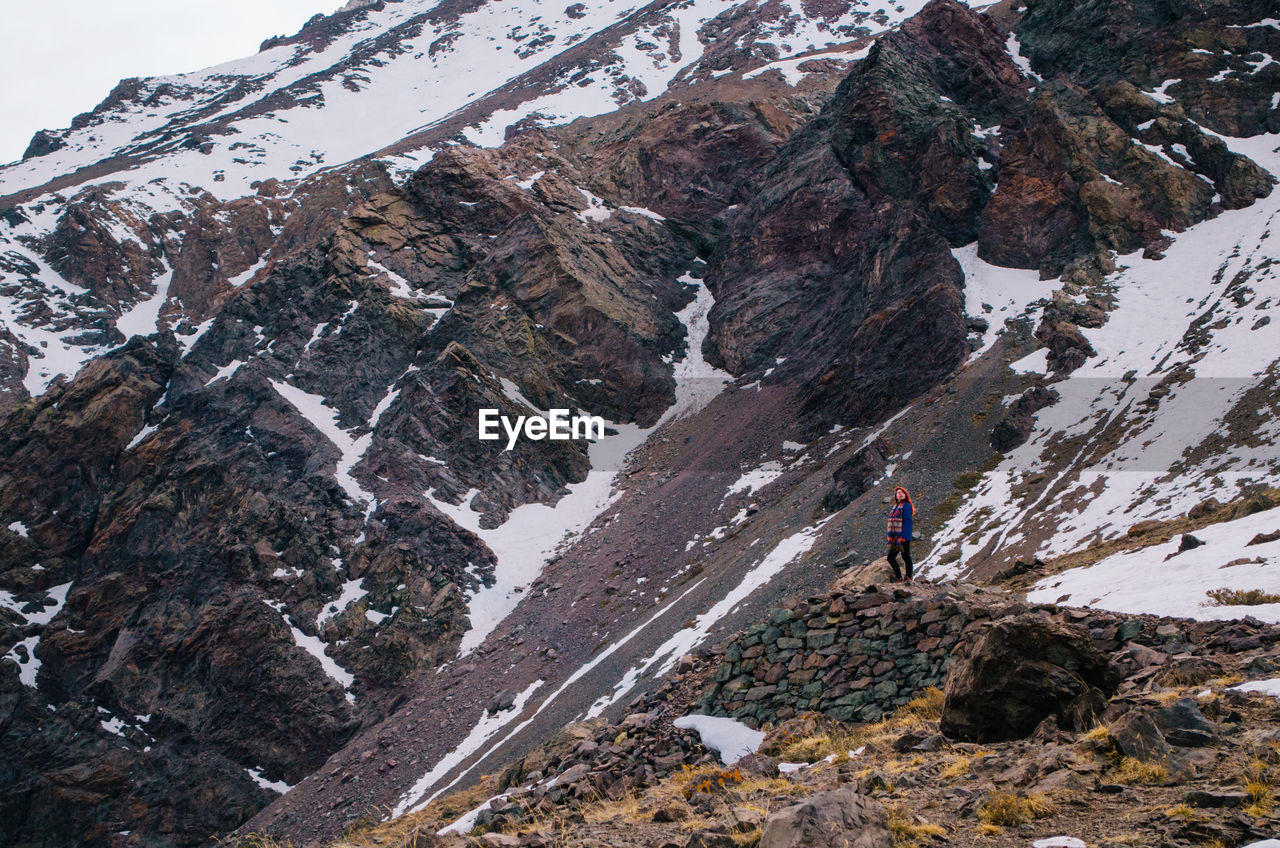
column 840, row 818
column 1018, row 672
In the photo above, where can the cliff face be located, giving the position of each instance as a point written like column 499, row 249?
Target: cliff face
column 253, row 543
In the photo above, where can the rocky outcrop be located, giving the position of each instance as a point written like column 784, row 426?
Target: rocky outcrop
column 840, row 818
column 1201, row 50
column 854, row 218
column 855, row 476
column 229, row 546
column 1015, row 427
column 1020, row 671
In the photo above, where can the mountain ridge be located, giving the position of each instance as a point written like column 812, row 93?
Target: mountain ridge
column 263, row 544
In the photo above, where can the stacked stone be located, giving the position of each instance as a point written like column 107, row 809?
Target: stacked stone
column 853, row 656
column 857, row 655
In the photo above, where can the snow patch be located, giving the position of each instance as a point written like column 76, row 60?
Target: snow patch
column 728, row 737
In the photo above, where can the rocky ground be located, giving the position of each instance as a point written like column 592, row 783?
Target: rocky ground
column 1038, row 733
column 240, row 554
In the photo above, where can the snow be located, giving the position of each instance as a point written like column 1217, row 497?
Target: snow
column 27, row 670
column 697, row 381
column 243, row 277
column 487, row 727
column 352, row 591
column 225, row 372
column 277, row 786
column 1265, row 22
column 1058, row 842
column 1144, row 467
column 325, row 419
column 664, row 658
column 139, row 437
column 314, row 646
column 463, row 823
column 1265, row 687
column 997, row 294
column 1150, row 581
column 790, row 68
column 1160, row 95
column 19, row 528
column 143, row 318
column 595, row 211
column 114, row 725
column 641, row 211
column 755, row 479
column 1014, row 49
column 59, row 600
column 728, row 737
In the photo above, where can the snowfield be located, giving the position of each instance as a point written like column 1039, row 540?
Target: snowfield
column 1161, row 581
column 1149, row 418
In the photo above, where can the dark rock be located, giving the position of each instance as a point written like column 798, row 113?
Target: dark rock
column 856, row 475
column 1136, row 735
column 1215, row 799
column 670, row 813
column 758, row 765
column 1188, row 671
column 1015, row 427
column 1016, row 673
column 1181, row 723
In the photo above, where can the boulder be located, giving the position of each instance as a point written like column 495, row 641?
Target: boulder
column 840, row 818
column 1182, row 724
column 1136, row 735
column 1017, row 673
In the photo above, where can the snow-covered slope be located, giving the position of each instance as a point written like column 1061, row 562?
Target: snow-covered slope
column 397, row 80
column 1178, row 406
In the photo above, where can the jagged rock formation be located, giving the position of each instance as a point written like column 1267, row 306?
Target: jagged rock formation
column 248, row 538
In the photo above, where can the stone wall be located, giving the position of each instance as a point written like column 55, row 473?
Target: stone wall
column 857, row 654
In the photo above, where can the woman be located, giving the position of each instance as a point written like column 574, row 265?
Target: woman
column 900, row 533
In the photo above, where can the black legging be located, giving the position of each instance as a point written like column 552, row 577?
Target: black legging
column 906, row 557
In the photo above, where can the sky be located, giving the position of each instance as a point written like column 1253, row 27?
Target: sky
column 59, row 58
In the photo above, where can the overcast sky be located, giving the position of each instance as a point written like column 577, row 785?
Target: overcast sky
column 59, row 58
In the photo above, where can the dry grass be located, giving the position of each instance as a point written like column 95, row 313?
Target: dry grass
column 988, row 829
column 958, row 765
column 261, row 840
column 1131, row 838
column 1240, row 598
column 626, row 808
column 1182, row 811
column 839, row 741
column 1099, row 733
column 1259, row 782
column 1006, row 810
column 1134, row 772
column 911, row 830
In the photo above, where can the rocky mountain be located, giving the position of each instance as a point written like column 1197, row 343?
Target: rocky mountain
column 257, row 572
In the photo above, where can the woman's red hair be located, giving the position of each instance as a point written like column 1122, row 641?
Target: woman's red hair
column 904, row 491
